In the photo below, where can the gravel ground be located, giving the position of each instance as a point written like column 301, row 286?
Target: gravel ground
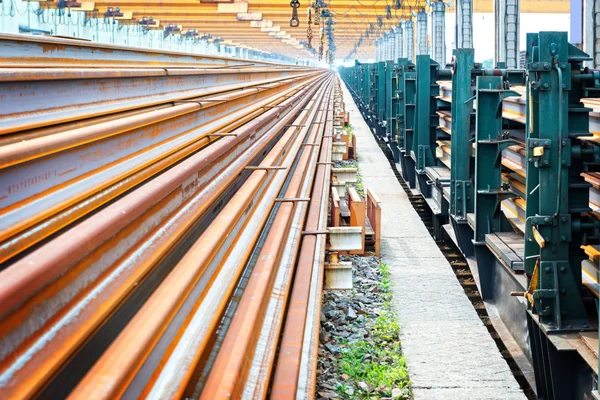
column 345, row 164
column 359, row 352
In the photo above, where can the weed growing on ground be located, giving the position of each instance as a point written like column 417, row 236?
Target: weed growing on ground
column 385, row 285
column 358, row 185
column 348, row 130
column 378, row 364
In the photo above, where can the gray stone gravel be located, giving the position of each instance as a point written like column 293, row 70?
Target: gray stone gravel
column 345, row 164
column 346, row 317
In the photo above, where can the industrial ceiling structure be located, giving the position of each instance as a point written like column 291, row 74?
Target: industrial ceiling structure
column 343, row 25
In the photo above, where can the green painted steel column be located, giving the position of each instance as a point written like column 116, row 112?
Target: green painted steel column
column 557, row 194
column 426, row 120
column 489, row 144
column 410, row 94
column 391, row 89
column 461, row 156
column 402, row 71
column 366, row 88
column 380, row 99
column 373, row 94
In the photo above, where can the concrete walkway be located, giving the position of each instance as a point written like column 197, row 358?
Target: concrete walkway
column 449, row 352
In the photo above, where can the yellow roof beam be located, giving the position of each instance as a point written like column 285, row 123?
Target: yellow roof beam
column 339, row 6
column 232, row 8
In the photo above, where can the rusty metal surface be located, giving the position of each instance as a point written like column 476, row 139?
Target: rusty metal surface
column 32, row 51
column 86, row 161
column 37, row 103
column 287, row 372
column 231, row 368
column 148, row 211
column 209, row 260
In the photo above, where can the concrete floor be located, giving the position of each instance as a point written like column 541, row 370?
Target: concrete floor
column 449, row 352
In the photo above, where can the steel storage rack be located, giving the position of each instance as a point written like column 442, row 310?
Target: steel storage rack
column 508, row 161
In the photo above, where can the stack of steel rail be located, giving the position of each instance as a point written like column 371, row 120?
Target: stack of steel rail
column 158, row 212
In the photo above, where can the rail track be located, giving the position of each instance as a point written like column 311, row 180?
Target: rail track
column 162, row 223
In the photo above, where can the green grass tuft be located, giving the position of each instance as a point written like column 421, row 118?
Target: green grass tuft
column 348, row 130
column 379, row 363
column 381, row 366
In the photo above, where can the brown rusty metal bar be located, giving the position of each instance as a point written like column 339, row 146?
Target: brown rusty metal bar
column 35, row 104
column 31, row 287
column 230, row 370
column 24, row 223
column 136, row 343
column 31, row 51
column 146, row 182
column 288, row 367
column 292, row 199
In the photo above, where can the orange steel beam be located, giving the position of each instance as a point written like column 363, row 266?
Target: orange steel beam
column 28, row 287
column 134, row 344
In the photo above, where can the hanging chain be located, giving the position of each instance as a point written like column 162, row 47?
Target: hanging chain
column 309, row 32
column 315, row 6
column 294, row 22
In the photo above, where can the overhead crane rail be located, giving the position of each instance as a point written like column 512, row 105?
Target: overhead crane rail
column 139, row 207
column 507, row 161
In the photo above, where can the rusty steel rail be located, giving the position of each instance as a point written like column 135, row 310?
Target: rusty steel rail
column 29, row 51
column 135, row 220
column 56, row 302
column 51, row 180
column 246, row 357
column 29, row 97
column 178, row 320
column 229, row 373
column 296, row 362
